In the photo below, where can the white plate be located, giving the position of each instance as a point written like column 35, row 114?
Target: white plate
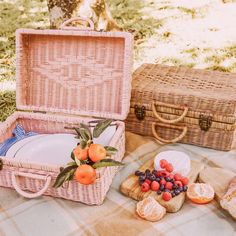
column 56, row 148
column 52, row 149
column 106, row 137
column 15, row 147
column 179, row 160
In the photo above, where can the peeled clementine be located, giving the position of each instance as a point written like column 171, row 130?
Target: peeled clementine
column 200, row 193
column 97, row 152
column 85, row 174
column 80, row 154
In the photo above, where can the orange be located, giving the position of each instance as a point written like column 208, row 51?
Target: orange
column 85, row 174
column 200, row 193
column 80, row 154
column 97, row 152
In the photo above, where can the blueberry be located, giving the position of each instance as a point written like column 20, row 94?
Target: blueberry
column 152, row 177
column 162, row 187
column 147, row 171
column 177, row 192
column 167, row 179
column 138, row 172
column 142, row 177
column 172, row 180
column 159, row 192
column 185, row 188
column 167, row 190
column 180, row 189
column 158, row 179
column 154, row 172
column 173, row 194
column 175, row 186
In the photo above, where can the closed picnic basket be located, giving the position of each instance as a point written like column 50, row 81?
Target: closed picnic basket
column 66, row 77
column 180, row 104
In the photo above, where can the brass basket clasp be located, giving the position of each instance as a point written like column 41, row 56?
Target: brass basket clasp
column 140, row 112
column 205, row 122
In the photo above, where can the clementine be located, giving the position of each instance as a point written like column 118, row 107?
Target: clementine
column 80, row 154
column 200, row 193
column 97, row 152
column 85, row 174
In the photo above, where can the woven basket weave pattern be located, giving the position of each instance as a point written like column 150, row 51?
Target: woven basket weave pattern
column 64, row 71
column 92, row 194
column 195, row 93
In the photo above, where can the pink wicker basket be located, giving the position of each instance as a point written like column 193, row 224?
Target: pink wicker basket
column 71, row 75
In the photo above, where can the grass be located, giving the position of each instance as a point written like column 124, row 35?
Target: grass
column 7, row 104
column 128, row 14
column 34, row 14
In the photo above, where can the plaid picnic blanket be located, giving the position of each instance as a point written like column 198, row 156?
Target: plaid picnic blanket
column 48, row 216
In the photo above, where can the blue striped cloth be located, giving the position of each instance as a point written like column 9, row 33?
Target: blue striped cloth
column 18, row 134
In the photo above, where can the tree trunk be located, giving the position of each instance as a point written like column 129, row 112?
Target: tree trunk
column 96, row 10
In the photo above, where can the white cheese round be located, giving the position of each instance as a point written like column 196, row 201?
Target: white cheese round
column 179, row 160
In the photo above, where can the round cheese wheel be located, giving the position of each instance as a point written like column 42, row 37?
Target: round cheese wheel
column 179, row 160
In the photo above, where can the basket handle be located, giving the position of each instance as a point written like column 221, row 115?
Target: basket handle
column 165, row 141
column 33, row 176
column 154, row 104
column 65, row 26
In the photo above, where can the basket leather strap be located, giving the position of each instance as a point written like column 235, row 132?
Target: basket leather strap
column 155, row 103
column 65, row 24
column 165, row 141
column 32, row 176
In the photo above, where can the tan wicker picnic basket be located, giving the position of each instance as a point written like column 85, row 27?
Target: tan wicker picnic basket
column 179, row 104
column 71, row 75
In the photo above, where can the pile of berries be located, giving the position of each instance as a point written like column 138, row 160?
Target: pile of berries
column 163, row 181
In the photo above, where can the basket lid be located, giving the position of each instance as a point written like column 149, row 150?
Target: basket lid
column 201, row 91
column 74, row 71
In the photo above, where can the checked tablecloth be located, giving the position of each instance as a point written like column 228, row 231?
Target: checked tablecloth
column 48, row 216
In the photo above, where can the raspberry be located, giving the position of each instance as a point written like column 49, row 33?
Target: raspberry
column 178, row 183
column 145, row 187
column 155, row 186
column 163, row 181
column 171, row 176
column 164, row 173
column 169, row 167
column 184, row 181
column 166, row 196
column 148, row 181
column 169, row 185
column 178, row 176
column 163, row 163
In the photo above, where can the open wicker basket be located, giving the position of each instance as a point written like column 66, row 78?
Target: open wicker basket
column 71, row 75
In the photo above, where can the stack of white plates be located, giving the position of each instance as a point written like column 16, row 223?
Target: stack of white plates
column 52, row 148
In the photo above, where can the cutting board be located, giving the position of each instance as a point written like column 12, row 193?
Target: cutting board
column 218, row 178
column 131, row 188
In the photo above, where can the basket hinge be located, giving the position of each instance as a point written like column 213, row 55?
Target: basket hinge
column 1, row 164
column 41, row 112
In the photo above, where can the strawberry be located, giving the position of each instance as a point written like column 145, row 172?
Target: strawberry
column 155, row 186
column 145, row 187
column 166, row 196
column 184, row 181
column 178, row 176
column 148, row 181
column 163, row 163
column 169, row 167
column 169, row 185
column 163, row 181
column 178, row 183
